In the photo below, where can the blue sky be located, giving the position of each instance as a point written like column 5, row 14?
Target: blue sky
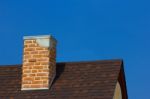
column 85, row 30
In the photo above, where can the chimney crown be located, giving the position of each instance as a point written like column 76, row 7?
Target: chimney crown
column 43, row 40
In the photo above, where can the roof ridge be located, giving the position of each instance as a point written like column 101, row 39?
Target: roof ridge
column 72, row 62
column 92, row 61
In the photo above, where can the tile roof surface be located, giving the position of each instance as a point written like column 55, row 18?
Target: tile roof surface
column 74, row 80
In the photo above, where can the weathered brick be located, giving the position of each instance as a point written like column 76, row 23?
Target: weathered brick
column 45, row 55
column 44, row 52
column 28, row 64
column 26, row 53
column 44, row 78
column 37, row 64
column 24, row 75
column 27, row 56
column 46, row 59
column 30, row 49
column 26, row 82
column 45, row 85
column 45, row 82
column 32, row 45
column 36, row 86
column 28, row 78
column 37, row 82
column 45, row 70
column 46, row 67
column 33, row 52
column 37, row 56
column 26, row 86
column 34, row 71
column 32, row 60
column 44, row 63
column 28, row 41
column 42, row 74
column 25, row 60
column 38, row 67
column 40, row 48
column 37, row 78
column 27, row 71
column 32, row 75
column 25, row 67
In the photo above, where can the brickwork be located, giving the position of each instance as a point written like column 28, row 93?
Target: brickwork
column 39, row 63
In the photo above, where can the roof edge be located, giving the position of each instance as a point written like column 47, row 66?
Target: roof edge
column 72, row 62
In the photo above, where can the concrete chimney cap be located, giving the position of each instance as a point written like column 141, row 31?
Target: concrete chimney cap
column 43, row 40
column 39, row 37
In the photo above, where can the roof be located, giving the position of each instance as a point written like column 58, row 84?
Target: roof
column 74, row 80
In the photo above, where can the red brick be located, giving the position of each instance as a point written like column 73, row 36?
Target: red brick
column 29, row 49
column 36, row 66
column 42, row 74
column 37, row 82
column 36, row 86
column 28, row 78
column 37, row 78
column 32, row 60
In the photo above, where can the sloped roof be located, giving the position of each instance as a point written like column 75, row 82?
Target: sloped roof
column 74, row 80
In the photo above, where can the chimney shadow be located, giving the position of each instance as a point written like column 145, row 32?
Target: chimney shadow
column 59, row 70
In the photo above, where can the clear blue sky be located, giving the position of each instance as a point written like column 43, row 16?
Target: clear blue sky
column 85, row 30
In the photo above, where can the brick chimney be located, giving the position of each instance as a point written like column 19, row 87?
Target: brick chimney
column 39, row 62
